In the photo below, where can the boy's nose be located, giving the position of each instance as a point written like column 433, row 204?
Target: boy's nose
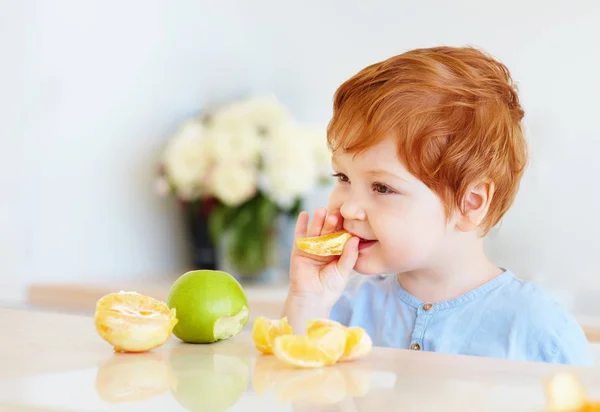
column 351, row 211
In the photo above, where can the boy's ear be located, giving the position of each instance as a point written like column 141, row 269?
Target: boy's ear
column 475, row 206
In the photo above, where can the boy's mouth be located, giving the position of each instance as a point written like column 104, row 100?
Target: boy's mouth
column 365, row 243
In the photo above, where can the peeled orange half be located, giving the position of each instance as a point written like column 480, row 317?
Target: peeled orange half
column 326, row 245
column 132, row 322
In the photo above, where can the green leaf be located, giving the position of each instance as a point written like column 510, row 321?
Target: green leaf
column 267, row 212
column 296, row 208
column 216, row 223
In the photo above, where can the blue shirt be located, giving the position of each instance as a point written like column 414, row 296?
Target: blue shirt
column 504, row 318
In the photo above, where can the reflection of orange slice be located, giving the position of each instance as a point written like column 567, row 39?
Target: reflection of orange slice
column 132, row 322
column 267, row 370
column 264, row 332
column 358, row 342
column 320, row 385
column 324, row 385
column 324, row 347
column 358, row 381
column 326, row 245
column 133, row 379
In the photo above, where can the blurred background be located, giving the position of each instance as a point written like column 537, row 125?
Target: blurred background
column 92, row 92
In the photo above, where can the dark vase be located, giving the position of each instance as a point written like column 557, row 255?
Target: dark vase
column 204, row 253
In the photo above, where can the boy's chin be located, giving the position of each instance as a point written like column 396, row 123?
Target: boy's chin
column 367, row 270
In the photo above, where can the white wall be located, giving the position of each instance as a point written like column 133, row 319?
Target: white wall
column 90, row 90
column 118, row 76
column 15, row 159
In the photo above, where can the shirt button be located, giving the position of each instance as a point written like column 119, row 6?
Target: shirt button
column 415, row 346
column 427, row 306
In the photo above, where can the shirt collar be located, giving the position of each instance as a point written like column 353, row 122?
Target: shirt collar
column 487, row 287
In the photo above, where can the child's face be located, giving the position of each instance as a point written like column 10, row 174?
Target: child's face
column 401, row 220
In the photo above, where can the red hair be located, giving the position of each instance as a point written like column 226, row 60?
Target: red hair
column 455, row 113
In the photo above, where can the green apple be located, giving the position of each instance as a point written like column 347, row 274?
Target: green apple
column 211, row 306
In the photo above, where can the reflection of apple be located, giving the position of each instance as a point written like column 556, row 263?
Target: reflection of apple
column 133, row 377
column 208, row 382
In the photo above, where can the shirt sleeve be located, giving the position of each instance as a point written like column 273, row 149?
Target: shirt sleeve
column 342, row 310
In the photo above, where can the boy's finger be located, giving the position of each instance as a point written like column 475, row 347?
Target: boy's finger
column 315, row 227
column 349, row 256
column 301, row 225
column 331, row 223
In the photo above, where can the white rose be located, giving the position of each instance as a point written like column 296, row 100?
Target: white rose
column 290, row 167
column 231, row 141
column 262, row 114
column 233, row 183
column 265, row 112
column 187, row 159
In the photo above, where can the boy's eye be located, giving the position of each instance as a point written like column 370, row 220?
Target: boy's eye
column 341, row 177
column 383, row 189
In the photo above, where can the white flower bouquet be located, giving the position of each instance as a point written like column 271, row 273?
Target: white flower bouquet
column 244, row 164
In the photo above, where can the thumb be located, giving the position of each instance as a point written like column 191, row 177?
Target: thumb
column 347, row 260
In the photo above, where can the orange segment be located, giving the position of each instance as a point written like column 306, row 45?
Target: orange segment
column 315, row 324
column 322, row 348
column 264, row 332
column 132, row 322
column 331, row 341
column 565, row 393
column 358, row 342
column 326, row 245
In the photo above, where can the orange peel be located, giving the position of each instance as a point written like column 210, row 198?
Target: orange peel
column 132, row 322
column 331, row 244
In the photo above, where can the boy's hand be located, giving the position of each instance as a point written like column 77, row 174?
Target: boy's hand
column 317, row 282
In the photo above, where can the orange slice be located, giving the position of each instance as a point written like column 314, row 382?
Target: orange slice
column 565, row 393
column 326, row 245
column 324, row 347
column 132, row 322
column 264, row 332
column 358, row 342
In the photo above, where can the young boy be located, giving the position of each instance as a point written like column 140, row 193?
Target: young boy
column 428, row 153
